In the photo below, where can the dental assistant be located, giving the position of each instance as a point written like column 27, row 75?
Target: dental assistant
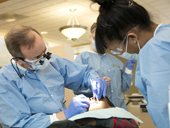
column 32, row 85
column 109, row 66
column 125, row 27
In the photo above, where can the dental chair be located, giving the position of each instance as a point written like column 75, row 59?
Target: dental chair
column 137, row 106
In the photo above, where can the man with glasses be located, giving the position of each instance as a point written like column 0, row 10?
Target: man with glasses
column 32, row 85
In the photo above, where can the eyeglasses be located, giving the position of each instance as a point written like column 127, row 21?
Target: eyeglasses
column 119, row 49
column 34, row 62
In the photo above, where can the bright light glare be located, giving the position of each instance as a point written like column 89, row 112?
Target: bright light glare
column 73, row 32
column 44, row 32
column 10, row 20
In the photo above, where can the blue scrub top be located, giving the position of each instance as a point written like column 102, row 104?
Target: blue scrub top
column 29, row 102
column 153, row 75
column 109, row 66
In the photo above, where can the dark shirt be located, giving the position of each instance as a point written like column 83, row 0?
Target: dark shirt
column 100, row 123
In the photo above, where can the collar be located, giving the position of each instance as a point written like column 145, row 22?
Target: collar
column 157, row 29
column 20, row 67
column 96, row 53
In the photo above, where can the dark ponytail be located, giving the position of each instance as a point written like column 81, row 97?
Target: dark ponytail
column 116, row 18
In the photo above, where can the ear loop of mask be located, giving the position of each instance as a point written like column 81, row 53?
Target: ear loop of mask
column 138, row 45
column 127, row 44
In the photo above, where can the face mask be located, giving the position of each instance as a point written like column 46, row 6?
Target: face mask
column 131, row 56
column 93, row 44
column 45, row 64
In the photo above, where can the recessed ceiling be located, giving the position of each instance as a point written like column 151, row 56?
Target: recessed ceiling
column 10, row 17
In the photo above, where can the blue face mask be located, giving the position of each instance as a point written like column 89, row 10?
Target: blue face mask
column 130, row 56
column 93, row 44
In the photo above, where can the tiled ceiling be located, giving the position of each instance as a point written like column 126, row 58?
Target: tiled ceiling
column 50, row 15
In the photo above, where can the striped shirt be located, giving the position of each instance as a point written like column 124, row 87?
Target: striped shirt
column 124, row 123
column 116, row 123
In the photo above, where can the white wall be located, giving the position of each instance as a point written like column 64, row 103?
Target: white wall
column 4, row 54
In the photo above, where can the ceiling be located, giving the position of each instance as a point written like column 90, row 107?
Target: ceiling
column 50, row 15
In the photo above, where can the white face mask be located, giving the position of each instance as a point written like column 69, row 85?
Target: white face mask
column 41, row 67
column 93, row 44
column 131, row 56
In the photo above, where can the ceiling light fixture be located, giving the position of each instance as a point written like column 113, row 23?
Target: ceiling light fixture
column 44, row 32
column 11, row 17
column 10, row 20
column 73, row 30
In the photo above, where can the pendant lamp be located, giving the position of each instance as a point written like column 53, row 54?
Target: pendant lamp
column 73, row 30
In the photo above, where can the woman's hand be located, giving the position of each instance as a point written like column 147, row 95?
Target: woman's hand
column 107, row 79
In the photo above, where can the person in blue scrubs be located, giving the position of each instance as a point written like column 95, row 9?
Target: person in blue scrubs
column 125, row 27
column 32, row 85
column 109, row 66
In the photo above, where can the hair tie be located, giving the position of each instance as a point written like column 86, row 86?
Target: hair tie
column 105, row 25
column 130, row 3
column 104, row 2
column 112, row 1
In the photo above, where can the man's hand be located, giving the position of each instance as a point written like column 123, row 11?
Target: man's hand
column 78, row 104
column 99, row 87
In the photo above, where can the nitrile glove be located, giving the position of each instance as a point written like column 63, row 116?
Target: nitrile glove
column 130, row 64
column 99, row 87
column 78, row 104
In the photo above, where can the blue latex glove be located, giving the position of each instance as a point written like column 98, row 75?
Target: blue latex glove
column 130, row 64
column 78, row 104
column 99, row 87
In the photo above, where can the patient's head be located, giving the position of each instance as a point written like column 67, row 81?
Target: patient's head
column 103, row 103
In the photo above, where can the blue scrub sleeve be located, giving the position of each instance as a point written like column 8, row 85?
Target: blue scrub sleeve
column 14, row 110
column 126, row 81
column 79, row 59
column 76, row 76
column 153, row 80
column 88, row 92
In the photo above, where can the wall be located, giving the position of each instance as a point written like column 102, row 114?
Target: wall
column 4, row 56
